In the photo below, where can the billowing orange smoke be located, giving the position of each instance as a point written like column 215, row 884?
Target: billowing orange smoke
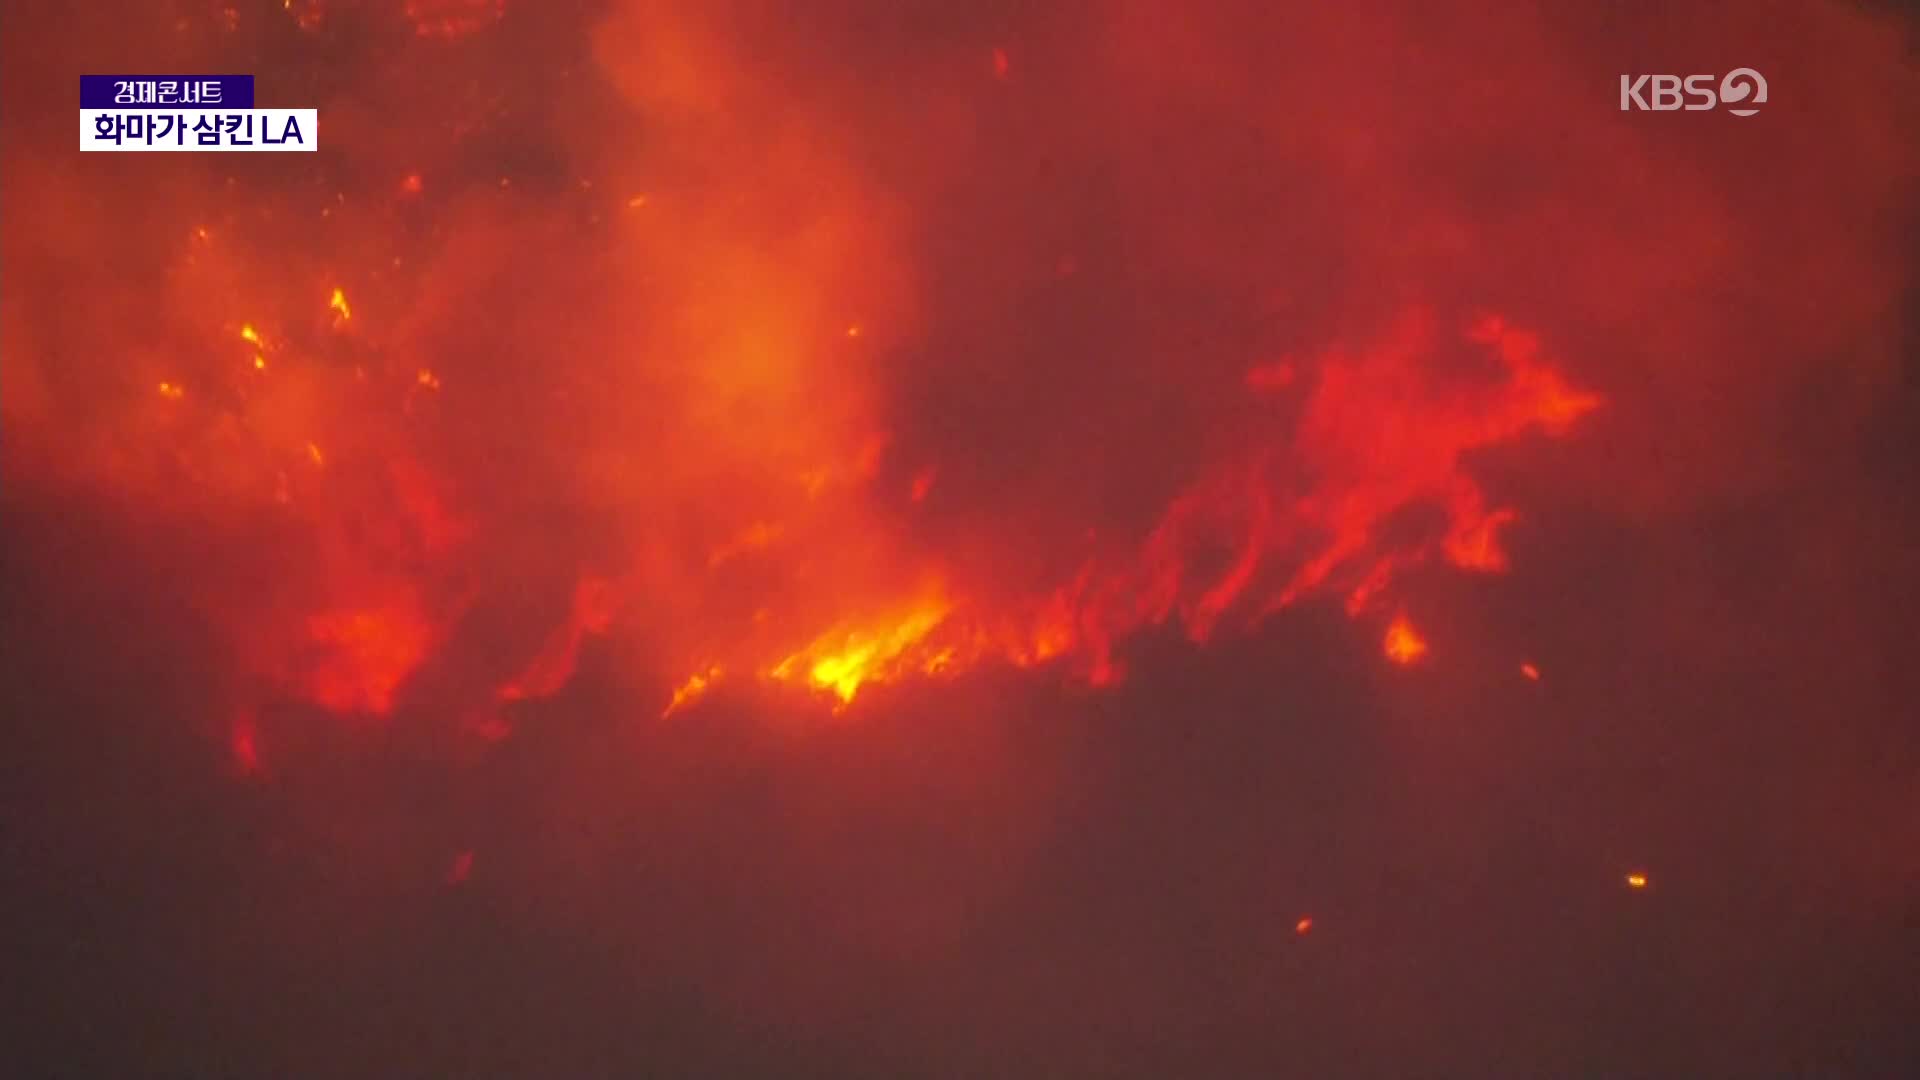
column 800, row 519
column 361, row 657
column 454, row 426
column 761, row 520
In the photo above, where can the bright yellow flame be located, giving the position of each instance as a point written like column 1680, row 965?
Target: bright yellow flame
column 338, row 304
column 249, row 334
column 1403, row 644
column 1636, row 880
column 259, row 362
column 841, row 662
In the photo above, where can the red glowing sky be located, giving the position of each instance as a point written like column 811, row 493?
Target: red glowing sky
column 961, row 534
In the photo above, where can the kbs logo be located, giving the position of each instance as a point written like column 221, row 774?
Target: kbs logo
column 1667, row 93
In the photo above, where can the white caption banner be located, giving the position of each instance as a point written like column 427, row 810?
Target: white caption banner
column 207, row 130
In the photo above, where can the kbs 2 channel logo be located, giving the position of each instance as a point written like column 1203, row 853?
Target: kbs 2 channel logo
column 1743, row 87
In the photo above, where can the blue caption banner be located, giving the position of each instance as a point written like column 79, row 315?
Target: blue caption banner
column 166, row 91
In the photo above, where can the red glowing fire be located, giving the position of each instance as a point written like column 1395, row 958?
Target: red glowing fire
column 1377, row 429
column 837, row 527
column 417, row 425
column 768, row 515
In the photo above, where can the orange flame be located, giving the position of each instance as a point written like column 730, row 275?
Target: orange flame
column 840, row 661
column 1403, row 644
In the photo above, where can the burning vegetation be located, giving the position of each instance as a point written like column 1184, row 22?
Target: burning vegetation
column 634, row 416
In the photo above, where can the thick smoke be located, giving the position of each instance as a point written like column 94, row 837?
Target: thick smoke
column 1094, row 380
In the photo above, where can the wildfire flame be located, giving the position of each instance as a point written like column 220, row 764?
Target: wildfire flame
column 1403, row 644
column 762, row 517
column 632, row 386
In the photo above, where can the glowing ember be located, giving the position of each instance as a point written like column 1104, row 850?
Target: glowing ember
column 171, row 391
column 307, row 14
column 453, row 18
column 1305, row 924
column 690, row 691
column 923, row 483
column 246, row 747
column 1530, row 672
column 1403, row 644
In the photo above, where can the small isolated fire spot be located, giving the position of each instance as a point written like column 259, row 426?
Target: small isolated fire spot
column 1403, row 644
column 690, row 691
column 427, row 379
column 1305, row 925
column 411, row 185
column 461, row 867
column 307, row 14
column 1000, row 63
column 171, row 391
column 246, row 750
column 923, row 483
column 1271, row 377
column 1636, row 880
column 1531, row 672
column 453, row 18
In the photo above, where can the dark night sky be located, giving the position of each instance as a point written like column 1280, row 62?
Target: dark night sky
column 1006, row 871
